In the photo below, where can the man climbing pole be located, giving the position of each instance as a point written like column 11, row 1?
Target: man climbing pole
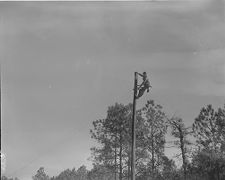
column 144, row 85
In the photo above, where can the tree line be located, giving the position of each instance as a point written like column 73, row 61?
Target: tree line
column 201, row 146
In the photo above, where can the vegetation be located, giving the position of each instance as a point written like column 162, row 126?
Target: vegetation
column 201, row 148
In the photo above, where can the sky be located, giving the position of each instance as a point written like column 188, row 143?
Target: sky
column 64, row 63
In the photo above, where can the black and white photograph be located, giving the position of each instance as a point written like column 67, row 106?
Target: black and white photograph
column 112, row 90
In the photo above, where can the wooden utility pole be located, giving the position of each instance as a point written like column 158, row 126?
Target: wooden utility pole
column 133, row 129
column 144, row 86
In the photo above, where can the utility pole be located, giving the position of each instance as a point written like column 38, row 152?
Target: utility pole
column 133, row 129
column 142, row 88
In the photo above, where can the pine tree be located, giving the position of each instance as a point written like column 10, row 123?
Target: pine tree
column 41, row 175
column 154, row 134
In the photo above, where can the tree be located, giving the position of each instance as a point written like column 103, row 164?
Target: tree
column 82, row 173
column 221, row 127
column 99, row 172
column 169, row 168
column 154, row 134
column 41, row 175
column 207, row 164
column 112, row 133
column 6, row 178
column 66, row 175
column 208, row 128
column 209, row 131
column 180, row 132
column 114, row 136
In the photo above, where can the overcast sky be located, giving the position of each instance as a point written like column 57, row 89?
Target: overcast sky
column 64, row 63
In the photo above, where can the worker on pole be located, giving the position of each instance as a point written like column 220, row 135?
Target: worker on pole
column 145, row 85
